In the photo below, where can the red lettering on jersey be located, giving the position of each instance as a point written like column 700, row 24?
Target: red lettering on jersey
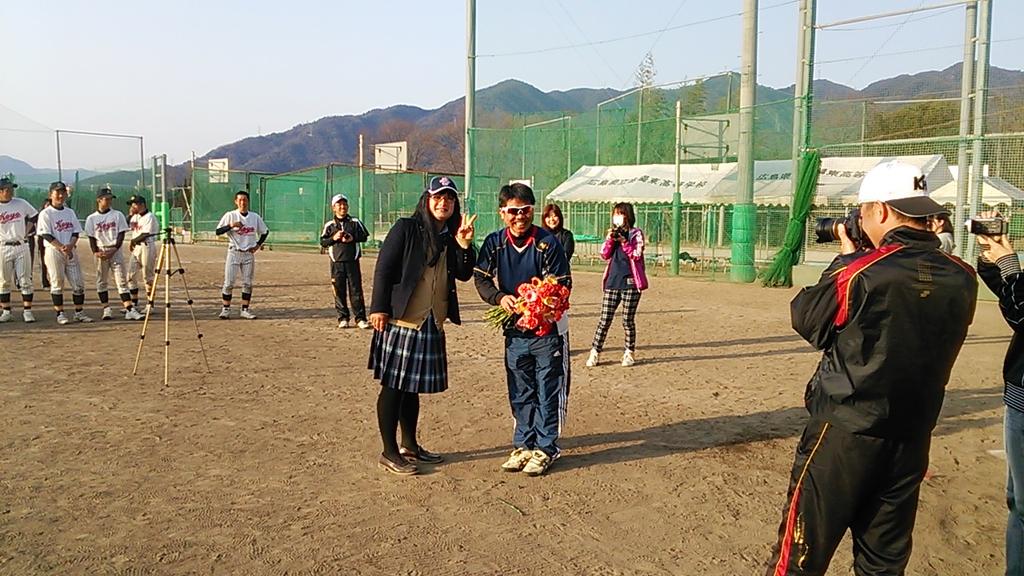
column 10, row 217
column 63, row 225
column 104, row 226
column 245, row 230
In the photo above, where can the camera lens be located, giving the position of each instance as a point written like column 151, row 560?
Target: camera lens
column 826, row 230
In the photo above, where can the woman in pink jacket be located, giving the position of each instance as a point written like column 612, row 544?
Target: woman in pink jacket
column 624, row 280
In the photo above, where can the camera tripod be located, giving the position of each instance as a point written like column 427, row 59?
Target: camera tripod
column 163, row 264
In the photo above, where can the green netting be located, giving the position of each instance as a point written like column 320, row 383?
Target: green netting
column 780, row 273
column 213, row 194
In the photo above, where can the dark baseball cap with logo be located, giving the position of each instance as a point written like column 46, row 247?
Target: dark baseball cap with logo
column 137, row 199
column 7, row 183
column 441, row 184
column 104, row 191
column 58, row 185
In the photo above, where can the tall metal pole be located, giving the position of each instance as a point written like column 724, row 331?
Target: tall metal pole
column 744, row 212
column 677, row 194
column 165, row 206
column 639, row 123
column 60, row 171
column 192, row 202
column 963, row 167
column 799, row 91
column 568, row 147
column 362, row 199
column 470, row 97
column 142, row 166
column 522, row 173
column 980, row 101
column 810, row 20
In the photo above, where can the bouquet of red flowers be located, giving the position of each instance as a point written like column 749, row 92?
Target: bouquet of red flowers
column 539, row 304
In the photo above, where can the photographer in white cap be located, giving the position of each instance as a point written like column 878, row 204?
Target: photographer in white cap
column 342, row 236
column 890, row 315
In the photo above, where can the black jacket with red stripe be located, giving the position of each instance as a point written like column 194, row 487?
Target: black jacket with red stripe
column 891, row 322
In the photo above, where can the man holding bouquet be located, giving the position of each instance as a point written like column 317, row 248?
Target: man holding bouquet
column 536, row 366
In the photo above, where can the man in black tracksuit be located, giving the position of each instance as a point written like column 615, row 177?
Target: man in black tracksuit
column 890, row 321
column 342, row 236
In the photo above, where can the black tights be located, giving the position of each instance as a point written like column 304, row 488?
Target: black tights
column 394, row 407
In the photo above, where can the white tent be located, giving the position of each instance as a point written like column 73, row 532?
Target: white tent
column 838, row 181
column 994, row 190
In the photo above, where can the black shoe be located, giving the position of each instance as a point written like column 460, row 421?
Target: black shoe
column 421, row 454
column 402, row 468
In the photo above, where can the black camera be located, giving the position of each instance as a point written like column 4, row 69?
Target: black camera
column 827, row 229
column 987, row 226
column 619, row 233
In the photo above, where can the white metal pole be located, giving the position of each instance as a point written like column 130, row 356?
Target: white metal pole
column 962, row 162
column 980, row 98
column 470, row 97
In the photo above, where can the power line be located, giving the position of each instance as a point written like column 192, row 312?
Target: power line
column 632, row 36
column 883, row 44
column 884, row 26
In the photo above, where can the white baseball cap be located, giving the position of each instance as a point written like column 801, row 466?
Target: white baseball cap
column 900, row 185
column 338, row 198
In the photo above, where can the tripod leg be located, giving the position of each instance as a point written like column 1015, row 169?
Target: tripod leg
column 188, row 300
column 150, row 295
column 167, row 308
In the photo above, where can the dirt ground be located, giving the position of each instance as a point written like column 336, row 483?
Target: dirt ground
column 266, row 464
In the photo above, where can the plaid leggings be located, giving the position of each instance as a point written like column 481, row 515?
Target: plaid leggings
column 630, row 299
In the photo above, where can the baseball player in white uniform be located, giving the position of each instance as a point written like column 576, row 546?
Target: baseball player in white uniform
column 106, row 228
column 144, row 230
column 246, row 233
column 59, row 228
column 17, row 219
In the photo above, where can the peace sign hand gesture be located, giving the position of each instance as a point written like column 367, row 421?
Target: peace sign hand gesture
column 464, row 235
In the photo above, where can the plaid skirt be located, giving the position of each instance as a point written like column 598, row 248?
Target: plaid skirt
column 410, row 360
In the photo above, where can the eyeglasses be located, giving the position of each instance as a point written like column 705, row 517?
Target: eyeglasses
column 516, row 210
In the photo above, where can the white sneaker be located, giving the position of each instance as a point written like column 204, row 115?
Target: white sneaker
column 28, row 316
column 245, row 313
column 225, row 313
column 132, row 314
column 62, row 319
column 108, row 314
column 627, row 358
column 517, row 460
column 593, row 358
column 6, row 316
column 81, row 317
column 344, row 324
column 539, row 464
column 364, row 324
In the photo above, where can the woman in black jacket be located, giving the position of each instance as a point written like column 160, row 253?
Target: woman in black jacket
column 553, row 222
column 413, row 293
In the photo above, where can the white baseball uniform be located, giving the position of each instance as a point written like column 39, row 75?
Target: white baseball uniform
column 239, row 260
column 15, row 261
column 144, row 255
column 104, row 227
column 62, row 224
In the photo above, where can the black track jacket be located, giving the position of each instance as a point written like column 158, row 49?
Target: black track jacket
column 891, row 322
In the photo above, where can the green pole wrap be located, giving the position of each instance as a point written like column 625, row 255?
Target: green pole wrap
column 780, row 273
column 744, row 222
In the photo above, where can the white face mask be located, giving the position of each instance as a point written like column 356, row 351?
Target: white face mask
column 618, row 220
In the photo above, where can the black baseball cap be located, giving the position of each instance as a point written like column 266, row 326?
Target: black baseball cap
column 137, row 199
column 7, row 183
column 104, row 191
column 439, row 184
column 58, row 185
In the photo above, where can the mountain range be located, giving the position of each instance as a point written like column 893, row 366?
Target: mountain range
column 509, row 104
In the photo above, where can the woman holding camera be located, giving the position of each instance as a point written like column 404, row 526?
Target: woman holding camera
column 624, row 280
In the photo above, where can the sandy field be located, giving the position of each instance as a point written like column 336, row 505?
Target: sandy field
column 266, row 464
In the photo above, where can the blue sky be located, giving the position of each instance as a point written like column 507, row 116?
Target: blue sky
column 193, row 75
